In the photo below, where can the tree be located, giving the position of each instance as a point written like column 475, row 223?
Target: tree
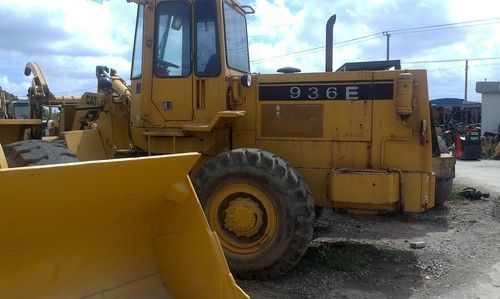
column 8, row 96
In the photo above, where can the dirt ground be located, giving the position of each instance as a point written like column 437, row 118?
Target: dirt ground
column 370, row 256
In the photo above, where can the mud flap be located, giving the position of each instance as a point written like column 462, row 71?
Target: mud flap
column 108, row 229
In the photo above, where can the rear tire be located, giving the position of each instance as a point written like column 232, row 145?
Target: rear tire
column 260, row 208
column 37, row 152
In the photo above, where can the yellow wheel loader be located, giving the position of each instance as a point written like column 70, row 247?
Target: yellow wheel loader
column 123, row 228
column 275, row 149
column 15, row 123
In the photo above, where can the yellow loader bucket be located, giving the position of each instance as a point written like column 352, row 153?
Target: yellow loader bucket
column 130, row 228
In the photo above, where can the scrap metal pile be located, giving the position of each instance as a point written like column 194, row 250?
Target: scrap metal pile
column 459, row 132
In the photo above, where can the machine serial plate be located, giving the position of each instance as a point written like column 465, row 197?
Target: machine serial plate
column 326, row 91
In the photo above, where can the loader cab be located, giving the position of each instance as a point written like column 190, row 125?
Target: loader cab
column 184, row 54
column 20, row 110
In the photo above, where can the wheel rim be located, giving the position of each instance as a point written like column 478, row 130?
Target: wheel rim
column 243, row 217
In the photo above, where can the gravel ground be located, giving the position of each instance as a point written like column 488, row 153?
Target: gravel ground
column 370, row 256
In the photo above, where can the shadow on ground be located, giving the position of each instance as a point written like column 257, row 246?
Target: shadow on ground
column 406, row 226
column 345, row 269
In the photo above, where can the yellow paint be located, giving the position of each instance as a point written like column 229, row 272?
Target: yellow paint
column 12, row 130
column 428, row 191
column 363, row 135
column 217, row 119
column 247, row 212
column 369, row 188
column 85, row 144
column 418, row 192
column 3, row 160
column 112, row 229
column 16, row 122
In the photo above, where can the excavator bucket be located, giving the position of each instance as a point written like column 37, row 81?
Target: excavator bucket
column 129, row 228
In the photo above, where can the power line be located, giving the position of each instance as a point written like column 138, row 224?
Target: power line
column 309, row 51
column 456, row 67
column 444, row 28
column 443, row 25
column 451, row 60
column 445, row 69
column 483, row 65
column 377, row 35
column 316, row 49
column 348, row 43
column 287, row 54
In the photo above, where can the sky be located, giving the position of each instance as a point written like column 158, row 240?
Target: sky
column 68, row 38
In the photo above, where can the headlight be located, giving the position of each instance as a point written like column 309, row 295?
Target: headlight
column 246, row 80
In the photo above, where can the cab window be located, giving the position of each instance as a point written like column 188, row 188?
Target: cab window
column 236, row 39
column 207, row 46
column 137, row 56
column 173, row 39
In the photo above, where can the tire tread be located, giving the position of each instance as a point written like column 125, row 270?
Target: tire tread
column 302, row 207
column 37, row 152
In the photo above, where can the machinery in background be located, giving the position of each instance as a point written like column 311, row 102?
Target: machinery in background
column 19, row 110
column 15, row 121
column 490, row 145
column 3, row 106
column 468, row 144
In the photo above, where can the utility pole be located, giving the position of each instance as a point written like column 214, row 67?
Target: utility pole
column 388, row 35
column 466, row 78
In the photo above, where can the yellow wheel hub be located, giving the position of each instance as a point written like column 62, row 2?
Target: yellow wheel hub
column 244, row 218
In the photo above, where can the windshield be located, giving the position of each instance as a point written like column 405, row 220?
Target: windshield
column 236, row 39
column 137, row 56
column 20, row 110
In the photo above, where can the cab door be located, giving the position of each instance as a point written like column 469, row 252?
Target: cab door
column 172, row 87
column 208, row 88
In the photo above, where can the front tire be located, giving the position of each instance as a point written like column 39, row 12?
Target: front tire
column 260, row 208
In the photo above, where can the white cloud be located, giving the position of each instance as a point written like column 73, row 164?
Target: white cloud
column 361, row 18
column 82, row 24
column 69, row 38
column 15, row 88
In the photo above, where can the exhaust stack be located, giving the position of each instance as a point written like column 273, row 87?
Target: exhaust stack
column 329, row 43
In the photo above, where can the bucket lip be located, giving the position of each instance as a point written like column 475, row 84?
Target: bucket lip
column 100, row 162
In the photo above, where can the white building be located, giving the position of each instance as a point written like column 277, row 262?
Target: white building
column 490, row 108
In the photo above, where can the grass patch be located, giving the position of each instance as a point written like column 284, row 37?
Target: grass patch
column 454, row 194
column 340, row 257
